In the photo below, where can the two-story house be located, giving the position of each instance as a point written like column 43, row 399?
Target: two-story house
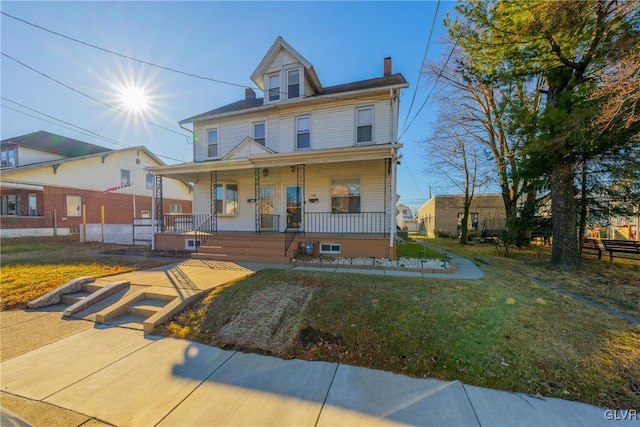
column 55, row 185
column 303, row 164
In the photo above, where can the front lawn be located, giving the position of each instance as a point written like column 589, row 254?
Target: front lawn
column 503, row 332
column 31, row 267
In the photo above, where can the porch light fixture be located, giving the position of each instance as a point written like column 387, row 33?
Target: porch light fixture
column 293, row 168
column 265, row 172
column 251, row 200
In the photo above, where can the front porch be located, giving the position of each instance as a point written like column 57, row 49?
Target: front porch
column 356, row 237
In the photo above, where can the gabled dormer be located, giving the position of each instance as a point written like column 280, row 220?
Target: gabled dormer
column 284, row 74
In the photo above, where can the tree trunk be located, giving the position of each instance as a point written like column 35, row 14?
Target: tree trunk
column 565, row 252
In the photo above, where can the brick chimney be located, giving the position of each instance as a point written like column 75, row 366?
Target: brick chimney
column 249, row 94
column 387, row 66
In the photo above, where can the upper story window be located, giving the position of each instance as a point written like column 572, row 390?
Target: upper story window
column 303, row 132
column 364, row 125
column 345, row 195
column 212, row 143
column 259, row 132
column 274, row 87
column 8, row 157
column 293, row 84
column 125, row 177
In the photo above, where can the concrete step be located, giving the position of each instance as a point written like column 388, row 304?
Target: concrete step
column 91, row 287
column 146, row 307
column 74, row 297
column 244, row 250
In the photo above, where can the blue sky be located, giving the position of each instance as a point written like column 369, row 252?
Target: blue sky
column 345, row 41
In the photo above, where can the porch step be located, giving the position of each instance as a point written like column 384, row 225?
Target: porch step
column 272, row 259
column 268, row 248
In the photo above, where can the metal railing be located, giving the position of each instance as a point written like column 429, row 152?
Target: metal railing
column 346, row 223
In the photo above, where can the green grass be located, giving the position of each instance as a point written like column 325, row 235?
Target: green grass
column 503, row 332
column 415, row 250
column 31, row 267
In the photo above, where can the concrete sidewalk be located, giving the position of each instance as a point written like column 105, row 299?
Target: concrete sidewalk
column 90, row 375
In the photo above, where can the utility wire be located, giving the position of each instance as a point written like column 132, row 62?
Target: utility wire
column 435, row 83
column 266, row 92
column 120, row 54
column 86, row 131
column 424, row 58
column 94, row 99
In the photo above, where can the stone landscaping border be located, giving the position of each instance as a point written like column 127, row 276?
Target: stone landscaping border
column 449, row 270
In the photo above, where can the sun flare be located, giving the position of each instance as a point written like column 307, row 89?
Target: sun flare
column 134, row 99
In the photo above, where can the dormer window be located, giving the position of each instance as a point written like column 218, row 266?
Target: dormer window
column 274, row 87
column 8, row 157
column 293, row 84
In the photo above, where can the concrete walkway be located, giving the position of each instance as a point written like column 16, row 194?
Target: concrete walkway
column 75, row 372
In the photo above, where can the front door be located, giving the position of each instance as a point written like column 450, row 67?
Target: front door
column 294, row 207
column 267, row 208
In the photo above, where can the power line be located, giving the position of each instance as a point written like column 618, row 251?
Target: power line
column 131, row 58
column 122, row 55
column 90, row 133
column 92, row 98
column 424, row 58
column 435, row 83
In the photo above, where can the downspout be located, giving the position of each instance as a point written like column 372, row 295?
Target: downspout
column 192, row 143
column 394, row 161
column 153, row 215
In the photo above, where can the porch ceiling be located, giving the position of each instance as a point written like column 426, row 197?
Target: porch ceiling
column 188, row 171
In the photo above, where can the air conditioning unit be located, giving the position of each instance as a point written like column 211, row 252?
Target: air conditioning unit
column 191, row 244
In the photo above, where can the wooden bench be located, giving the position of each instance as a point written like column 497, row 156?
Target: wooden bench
column 623, row 246
column 594, row 245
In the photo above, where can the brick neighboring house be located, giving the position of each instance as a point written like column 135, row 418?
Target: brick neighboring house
column 48, row 181
column 305, row 166
column 442, row 215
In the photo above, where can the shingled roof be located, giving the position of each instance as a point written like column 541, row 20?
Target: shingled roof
column 52, row 143
column 244, row 104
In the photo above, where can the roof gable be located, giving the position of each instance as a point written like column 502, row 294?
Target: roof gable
column 258, row 75
column 248, row 147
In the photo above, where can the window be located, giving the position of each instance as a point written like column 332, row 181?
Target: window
column 125, row 177
column 274, row 87
column 474, row 220
column 175, row 208
column 33, row 204
column 364, row 125
column 74, row 206
column 259, row 132
column 330, row 248
column 8, row 156
column 293, row 84
column 212, row 143
column 345, row 195
column 303, row 133
column 148, row 183
column 10, row 204
column 227, row 199
column 144, row 213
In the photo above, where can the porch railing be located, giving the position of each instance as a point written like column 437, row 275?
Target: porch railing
column 346, row 223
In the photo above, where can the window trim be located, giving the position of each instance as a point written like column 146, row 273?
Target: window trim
column 331, row 250
column 300, row 82
column 297, row 132
column 217, row 144
column 79, row 215
column 269, row 88
column 358, row 109
column 253, row 130
column 359, row 195
column 223, row 185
